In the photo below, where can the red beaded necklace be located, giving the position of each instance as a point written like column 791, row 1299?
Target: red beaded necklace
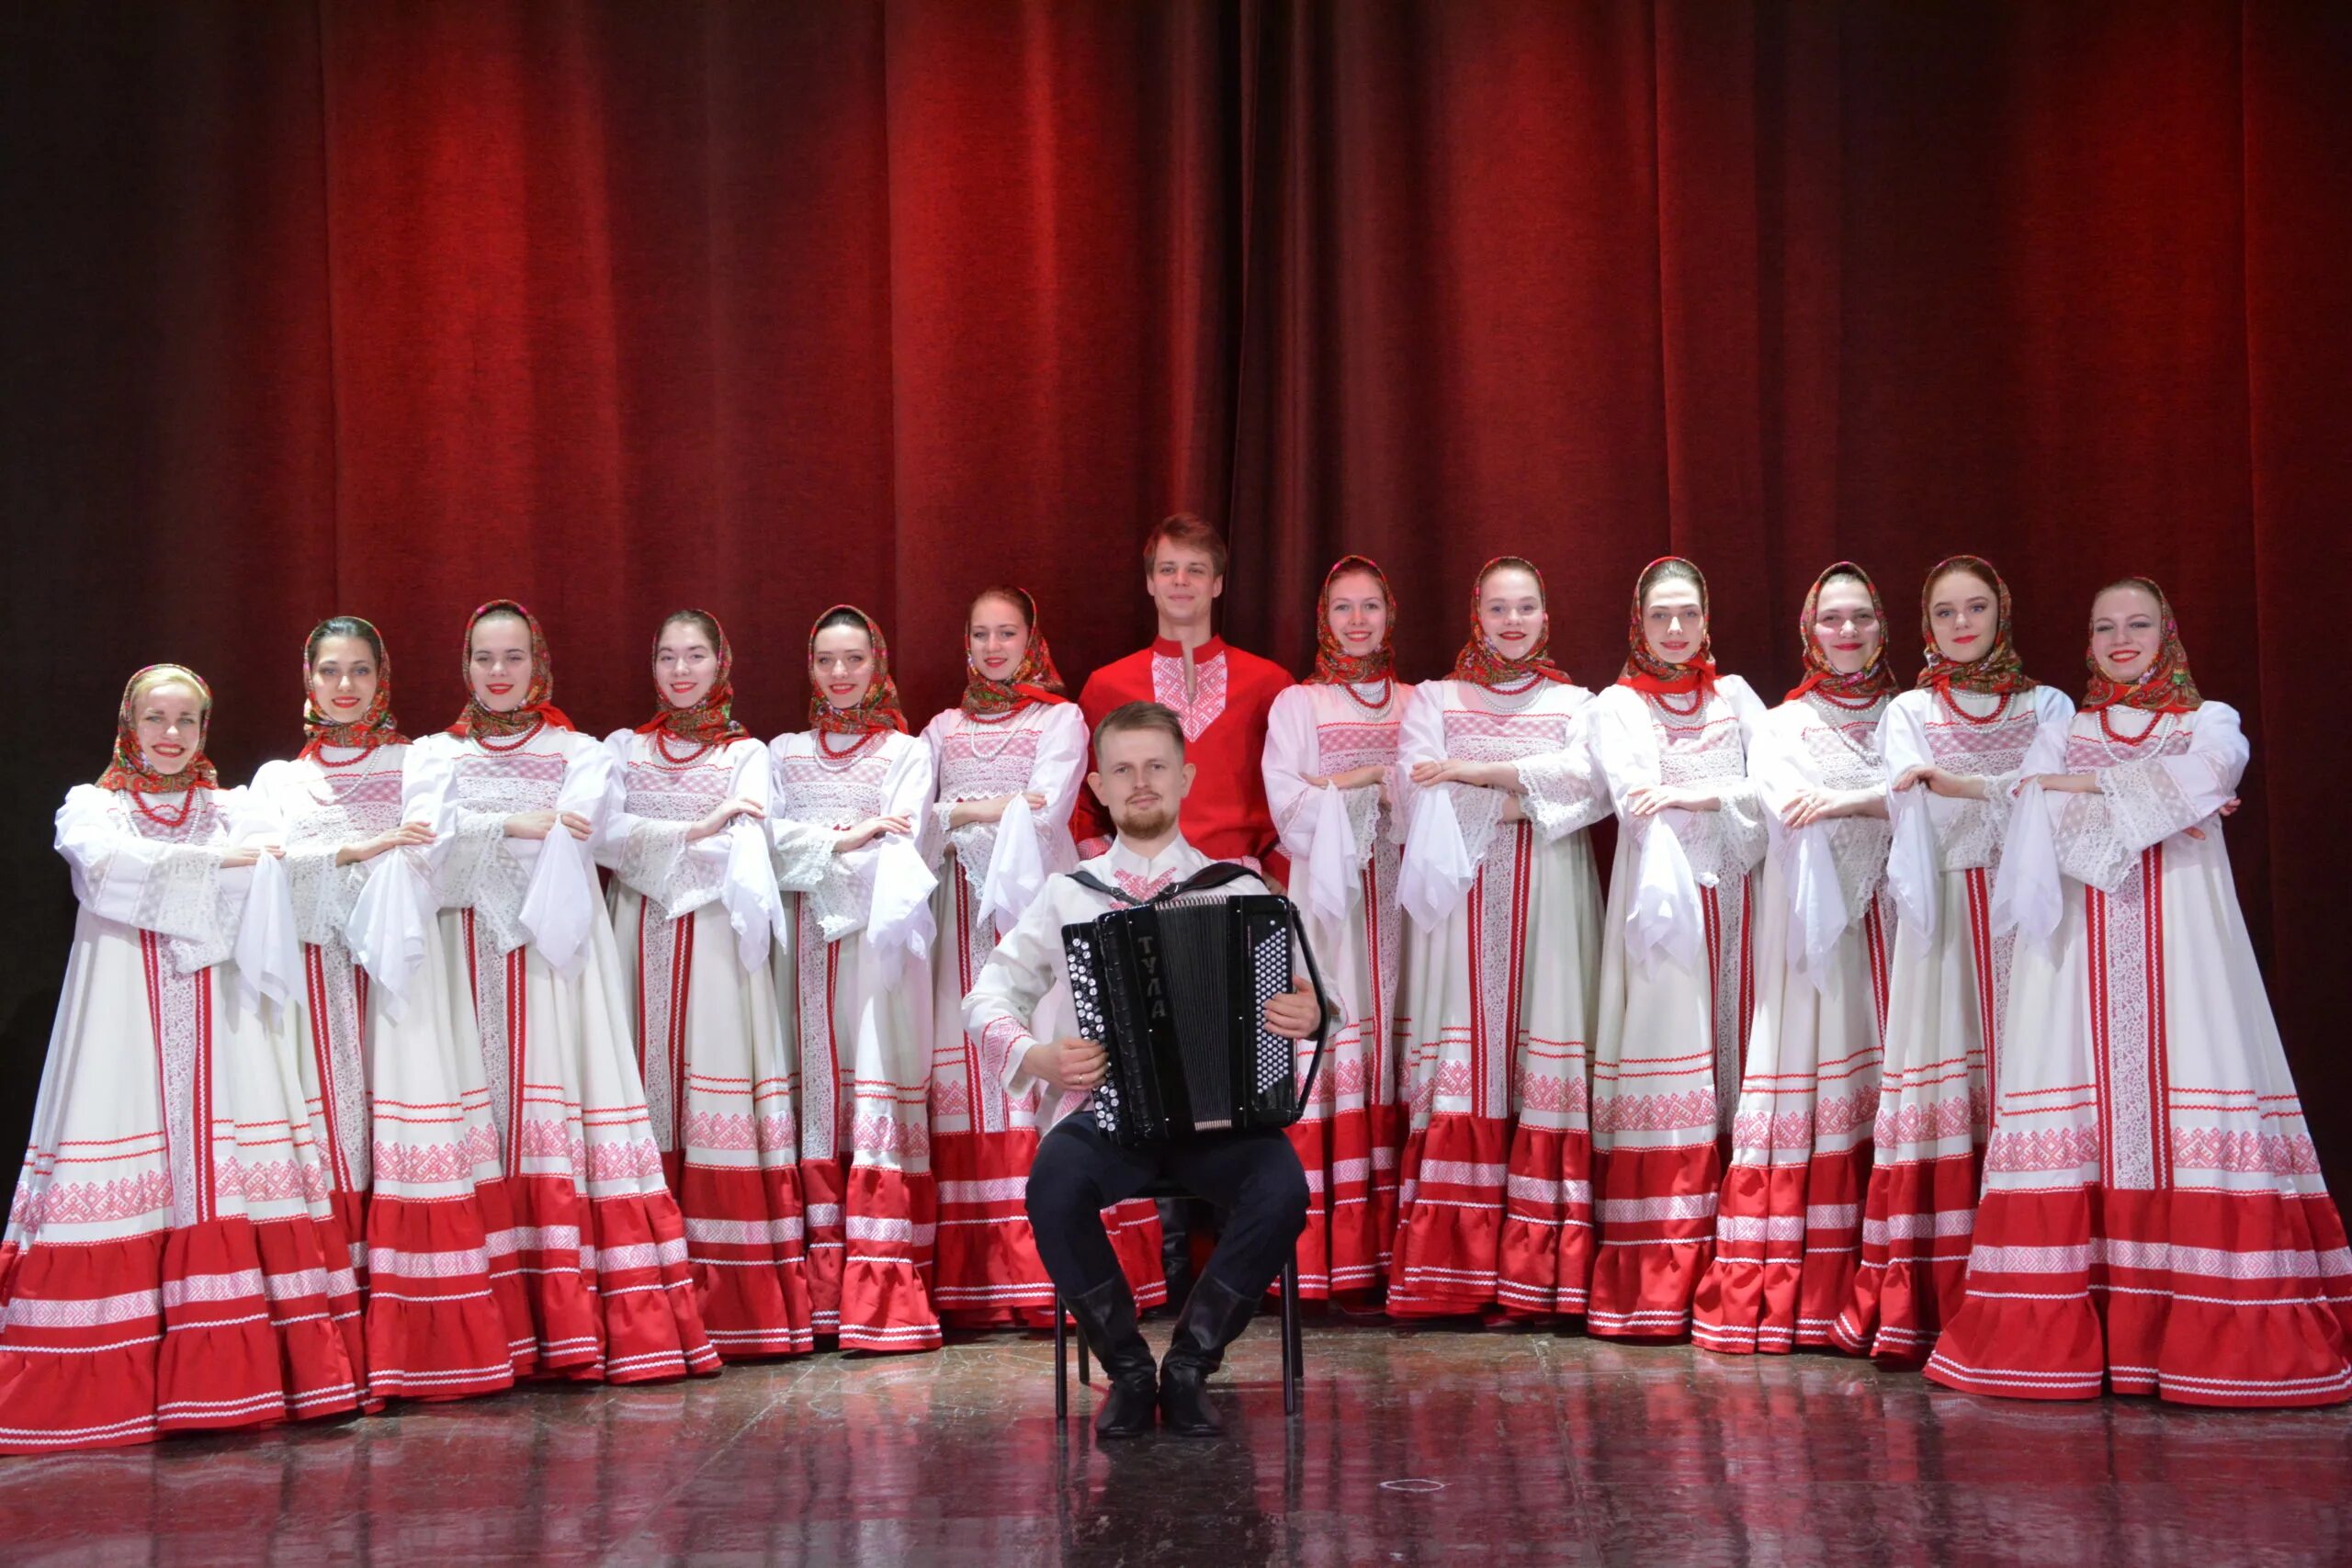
column 321, row 757
column 517, row 744
column 1943, row 694
column 1698, row 702
column 865, row 738
column 1388, row 690
column 2109, row 726
column 164, row 818
column 1857, row 705
column 661, row 744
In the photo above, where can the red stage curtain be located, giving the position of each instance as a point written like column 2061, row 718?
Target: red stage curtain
column 612, row 308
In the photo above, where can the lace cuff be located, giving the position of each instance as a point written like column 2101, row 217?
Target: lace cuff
column 1562, row 793
column 181, row 897
column 975, row 846
column 843, row 897
column 481, row 873
column 804, row 856
column 1858, row 848
column 2145, row 803
column 1970, row 836
column 1364, row 819
column 2090, row 849
column 324, row 893
column 1479, row 811
column 657, row 861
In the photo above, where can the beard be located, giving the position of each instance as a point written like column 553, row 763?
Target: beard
column 1147, row 822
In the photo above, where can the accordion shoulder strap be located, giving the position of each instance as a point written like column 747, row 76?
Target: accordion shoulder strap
column 1211, row 876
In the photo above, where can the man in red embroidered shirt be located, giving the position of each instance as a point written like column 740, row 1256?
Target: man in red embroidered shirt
column 1220, row 694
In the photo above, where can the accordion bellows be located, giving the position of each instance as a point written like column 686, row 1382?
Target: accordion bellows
column 1176, row 994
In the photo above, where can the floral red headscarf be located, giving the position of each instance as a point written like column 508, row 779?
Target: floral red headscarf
column 1333, row 664
column 375, row 728
column 879, row 709
column 1034, row 680
column 1870, row 683
column 2166, row 686
column 1644, row 670
column 130, row 769
column 2000, row 672
column 711, row 721
column 537, row 707
column 1479, row 664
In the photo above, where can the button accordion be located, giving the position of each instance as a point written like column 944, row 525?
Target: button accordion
column 1176, row 993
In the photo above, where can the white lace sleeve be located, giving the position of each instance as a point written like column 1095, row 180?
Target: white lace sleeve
column 1479, row 810
column 1740, row 827
column 1562, row 791
column 324, row 893
column 804, row 853
column 479, row 873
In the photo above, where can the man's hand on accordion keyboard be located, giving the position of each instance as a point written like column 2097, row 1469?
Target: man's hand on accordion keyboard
column 1071, row 1066
column 1293, row 1015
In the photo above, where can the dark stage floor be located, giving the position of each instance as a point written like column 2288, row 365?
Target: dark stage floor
column 1423, row 1447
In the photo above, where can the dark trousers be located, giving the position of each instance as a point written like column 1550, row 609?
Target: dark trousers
column 1254, row 1178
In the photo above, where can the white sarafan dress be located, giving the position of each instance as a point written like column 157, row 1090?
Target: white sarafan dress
column 695, row 923
column 1345, row 860
column 172, row 1261
column 598, row 1240
column 2154, row 1220
column 1495, row 1208
column 1947, row 991
column 392, row 1064
column 855, row 969
column 1678, row 989
column 1788, row 1227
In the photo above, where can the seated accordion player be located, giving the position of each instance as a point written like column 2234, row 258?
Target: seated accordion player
column 1175, row 991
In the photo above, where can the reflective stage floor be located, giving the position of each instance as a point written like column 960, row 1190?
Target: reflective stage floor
column 1427, row 1446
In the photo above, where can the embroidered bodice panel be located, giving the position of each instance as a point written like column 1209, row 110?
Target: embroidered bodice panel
column 1702, row 748
column 346, row 805
column 987, row 762
column 663, row 791
column 1841, row 753
column 500, row 783
column 1971, row 833
column 833, row 793
column 2099, row 835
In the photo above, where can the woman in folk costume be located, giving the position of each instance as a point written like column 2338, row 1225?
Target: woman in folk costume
column 2153, row 1217
column 1332, row 746
column 172, row 1261
column 514, row 795
column 860, row 932
column 390, row 1058
column 1009, row 760
column 694, row 908
column 1788, row 1227
column 1952, row 748
column 1671, row 740
column 1494, row 1209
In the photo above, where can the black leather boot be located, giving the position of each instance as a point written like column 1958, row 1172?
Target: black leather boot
column 1213, row 1316
column 1176, row 1250
column 1106, row 1315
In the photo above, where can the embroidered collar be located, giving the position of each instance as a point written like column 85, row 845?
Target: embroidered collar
column 1168, row 648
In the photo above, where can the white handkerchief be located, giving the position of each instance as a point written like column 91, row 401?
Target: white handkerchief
column 754, row 907
column 2026, row 895
column 1324, row 891
column 1662, row 917
column 562, row 901
column 1016, row 869
column 1817, row 912
column 1436, row 870
column 1913, row 864
column 268, row 957
column 390, row 926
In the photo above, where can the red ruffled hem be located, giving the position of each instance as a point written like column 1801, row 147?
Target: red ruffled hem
column 2198, row 1298
column 434, row 1326
column 1913, row 1270
column 223, row 1324
column 1787, row 1240
column 746, row 1239
column 1656, row 1215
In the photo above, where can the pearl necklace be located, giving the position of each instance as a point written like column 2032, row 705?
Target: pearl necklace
column 2131, row 743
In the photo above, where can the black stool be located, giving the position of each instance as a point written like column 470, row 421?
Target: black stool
column 1065, row 1330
